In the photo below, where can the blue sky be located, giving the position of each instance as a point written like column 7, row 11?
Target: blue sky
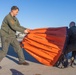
column 41, row 13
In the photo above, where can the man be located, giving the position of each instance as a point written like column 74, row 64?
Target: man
column 9, row 27
column 71, row 47
column 72, row 33
column 72, row 41
column 72, row 37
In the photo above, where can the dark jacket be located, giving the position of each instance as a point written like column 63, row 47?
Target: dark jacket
column 72, row 35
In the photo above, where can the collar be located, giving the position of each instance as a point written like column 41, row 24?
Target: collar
column 14, row 18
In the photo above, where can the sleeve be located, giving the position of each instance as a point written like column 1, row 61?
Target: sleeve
column 20, row 25
column 13, row 25
column 69, row 36
column 69, row 32
column 3, row 27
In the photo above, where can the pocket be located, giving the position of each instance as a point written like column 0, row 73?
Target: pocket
column 2, row 33
column 3, row 39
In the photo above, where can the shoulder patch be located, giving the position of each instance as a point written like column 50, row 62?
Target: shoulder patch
column 12, row 22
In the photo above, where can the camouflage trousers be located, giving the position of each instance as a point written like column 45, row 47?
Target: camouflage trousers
column 6, row 42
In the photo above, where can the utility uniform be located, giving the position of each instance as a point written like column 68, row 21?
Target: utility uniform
column 8, row 30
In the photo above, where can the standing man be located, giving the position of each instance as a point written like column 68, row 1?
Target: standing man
column 9, row 27
column 72, row 41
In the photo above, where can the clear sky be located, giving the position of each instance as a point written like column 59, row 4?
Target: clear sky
column 41, row 13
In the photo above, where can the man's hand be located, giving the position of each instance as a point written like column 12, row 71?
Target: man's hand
column 26, row 31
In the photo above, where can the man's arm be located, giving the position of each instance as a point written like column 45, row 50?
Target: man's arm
column 20, row 25
column 26, row 30
column 69, row 32
column 13, row 25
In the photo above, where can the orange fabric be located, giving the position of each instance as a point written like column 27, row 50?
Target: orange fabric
column 45, row 44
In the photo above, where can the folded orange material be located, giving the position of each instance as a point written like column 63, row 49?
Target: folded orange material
column 45, row 44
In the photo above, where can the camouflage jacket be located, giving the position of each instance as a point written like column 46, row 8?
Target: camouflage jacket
column 10, row 25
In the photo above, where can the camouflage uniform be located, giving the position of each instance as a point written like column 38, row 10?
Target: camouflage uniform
column 8, row 30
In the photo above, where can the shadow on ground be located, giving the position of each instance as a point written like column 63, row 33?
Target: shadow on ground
column 15, row 72
column 11, row 52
